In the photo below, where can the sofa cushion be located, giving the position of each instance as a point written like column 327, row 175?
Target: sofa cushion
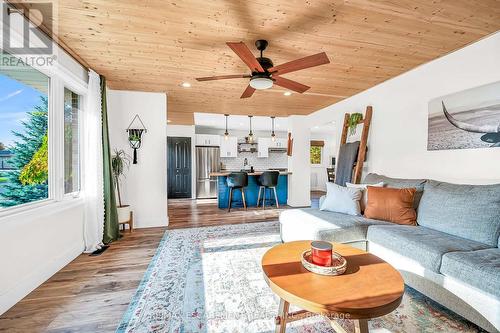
column 424, row 245
column 341, row 199
column 418, row 184
column 480, row 269
column 391, row 204
column 314, row 224
column 467, row 211
column 364, row 195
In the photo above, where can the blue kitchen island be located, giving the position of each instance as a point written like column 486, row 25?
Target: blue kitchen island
column 251, row 191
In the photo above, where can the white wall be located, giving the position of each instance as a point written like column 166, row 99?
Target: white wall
column 36, row 244
column 145, row 185
column 187, row 131
column 398, row 136
column 274, row 160
column 299, row 186
column 46, row 236
column 319, row 177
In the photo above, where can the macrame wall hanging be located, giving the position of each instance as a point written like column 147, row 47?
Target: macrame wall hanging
column 135, row 135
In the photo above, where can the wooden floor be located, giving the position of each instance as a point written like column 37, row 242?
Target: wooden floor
column 92, row 293
column 187, row 213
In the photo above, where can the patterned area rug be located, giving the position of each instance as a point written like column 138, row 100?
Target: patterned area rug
column 210, row 280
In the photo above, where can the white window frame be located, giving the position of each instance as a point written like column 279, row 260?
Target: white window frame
column 83, row 99
column 60, row 76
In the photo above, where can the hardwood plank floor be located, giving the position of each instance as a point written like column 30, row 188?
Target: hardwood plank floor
column 91, row 293
column 187, row 213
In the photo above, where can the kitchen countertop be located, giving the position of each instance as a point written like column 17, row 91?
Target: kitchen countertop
column 256, row 173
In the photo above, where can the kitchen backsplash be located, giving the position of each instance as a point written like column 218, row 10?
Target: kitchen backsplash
column 275, row 160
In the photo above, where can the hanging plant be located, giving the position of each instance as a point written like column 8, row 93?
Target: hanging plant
column 353, row 122
column 135, row 135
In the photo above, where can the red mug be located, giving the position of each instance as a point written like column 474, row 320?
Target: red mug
column 321, row 253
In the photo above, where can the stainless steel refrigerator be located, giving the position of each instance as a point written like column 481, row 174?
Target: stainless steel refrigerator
column 207, row 161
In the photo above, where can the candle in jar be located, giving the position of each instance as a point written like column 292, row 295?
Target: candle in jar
column 321, row 253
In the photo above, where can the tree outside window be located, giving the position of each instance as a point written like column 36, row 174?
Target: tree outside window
column 23, row 135
column 315, row 153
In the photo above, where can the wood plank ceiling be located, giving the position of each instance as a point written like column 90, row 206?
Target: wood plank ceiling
column 156, row 45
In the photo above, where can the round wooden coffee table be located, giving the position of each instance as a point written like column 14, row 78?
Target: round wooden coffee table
column 369, row 288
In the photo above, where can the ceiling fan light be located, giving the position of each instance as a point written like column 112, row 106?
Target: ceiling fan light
column 261, row 83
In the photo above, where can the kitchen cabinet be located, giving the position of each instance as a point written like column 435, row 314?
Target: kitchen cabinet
column 208, row 140
column 263, row 147
column 229, row 147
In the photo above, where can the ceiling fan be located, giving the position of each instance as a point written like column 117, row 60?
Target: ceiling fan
column 264, row 73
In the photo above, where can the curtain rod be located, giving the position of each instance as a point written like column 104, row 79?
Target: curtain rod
column 50, row 34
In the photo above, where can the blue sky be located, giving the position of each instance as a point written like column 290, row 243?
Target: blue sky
column 16, row 99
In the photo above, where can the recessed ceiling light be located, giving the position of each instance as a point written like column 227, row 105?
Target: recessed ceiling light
column 287, row 93
column 186, row 84
column 169, row 121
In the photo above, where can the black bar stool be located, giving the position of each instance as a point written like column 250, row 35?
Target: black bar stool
column 268, row 179
column 237, row 181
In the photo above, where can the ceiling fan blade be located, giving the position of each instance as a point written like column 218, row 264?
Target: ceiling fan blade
column 223, row 77
column 302, row 63
column 248, row 92
column 289, row 84
column 246, row 55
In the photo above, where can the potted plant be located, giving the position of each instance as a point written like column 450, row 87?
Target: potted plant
column 119, row 162
column 353, row 122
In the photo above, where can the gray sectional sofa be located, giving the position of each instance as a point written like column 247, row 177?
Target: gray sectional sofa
column 452, row 256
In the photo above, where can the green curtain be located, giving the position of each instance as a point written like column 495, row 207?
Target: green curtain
column 111, row 231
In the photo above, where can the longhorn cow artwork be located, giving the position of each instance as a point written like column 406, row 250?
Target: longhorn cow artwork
column 465, row 120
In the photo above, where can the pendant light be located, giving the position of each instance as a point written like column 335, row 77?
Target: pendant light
column 273, row 136
column 226, row 133
column 250, row 134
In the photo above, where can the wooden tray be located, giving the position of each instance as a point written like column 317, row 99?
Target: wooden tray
column 339, row 264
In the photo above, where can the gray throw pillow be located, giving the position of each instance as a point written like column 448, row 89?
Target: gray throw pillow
column 364, row 192
column 341, row 199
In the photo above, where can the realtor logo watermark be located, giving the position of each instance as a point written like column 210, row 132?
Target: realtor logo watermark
column 27, row 39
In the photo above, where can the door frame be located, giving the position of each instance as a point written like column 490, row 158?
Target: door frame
column 190, row 150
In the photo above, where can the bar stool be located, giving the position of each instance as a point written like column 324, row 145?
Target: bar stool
column 237, row 181
column 268, row 179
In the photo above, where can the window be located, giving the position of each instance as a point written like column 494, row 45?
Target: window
column 71, row 141
column 316, row 152
column 24, row 175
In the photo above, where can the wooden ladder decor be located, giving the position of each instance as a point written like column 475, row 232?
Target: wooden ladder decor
column 366, row 121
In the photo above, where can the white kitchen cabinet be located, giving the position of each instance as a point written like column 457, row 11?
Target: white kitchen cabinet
column 263, row 145
column 229, row 147
column 207, row 140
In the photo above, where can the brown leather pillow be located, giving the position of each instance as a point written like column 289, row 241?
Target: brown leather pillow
column 391, row 204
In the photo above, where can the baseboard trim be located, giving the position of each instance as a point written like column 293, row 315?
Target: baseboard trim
column 39, row 276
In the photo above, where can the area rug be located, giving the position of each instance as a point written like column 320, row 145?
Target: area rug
column 209, row 280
